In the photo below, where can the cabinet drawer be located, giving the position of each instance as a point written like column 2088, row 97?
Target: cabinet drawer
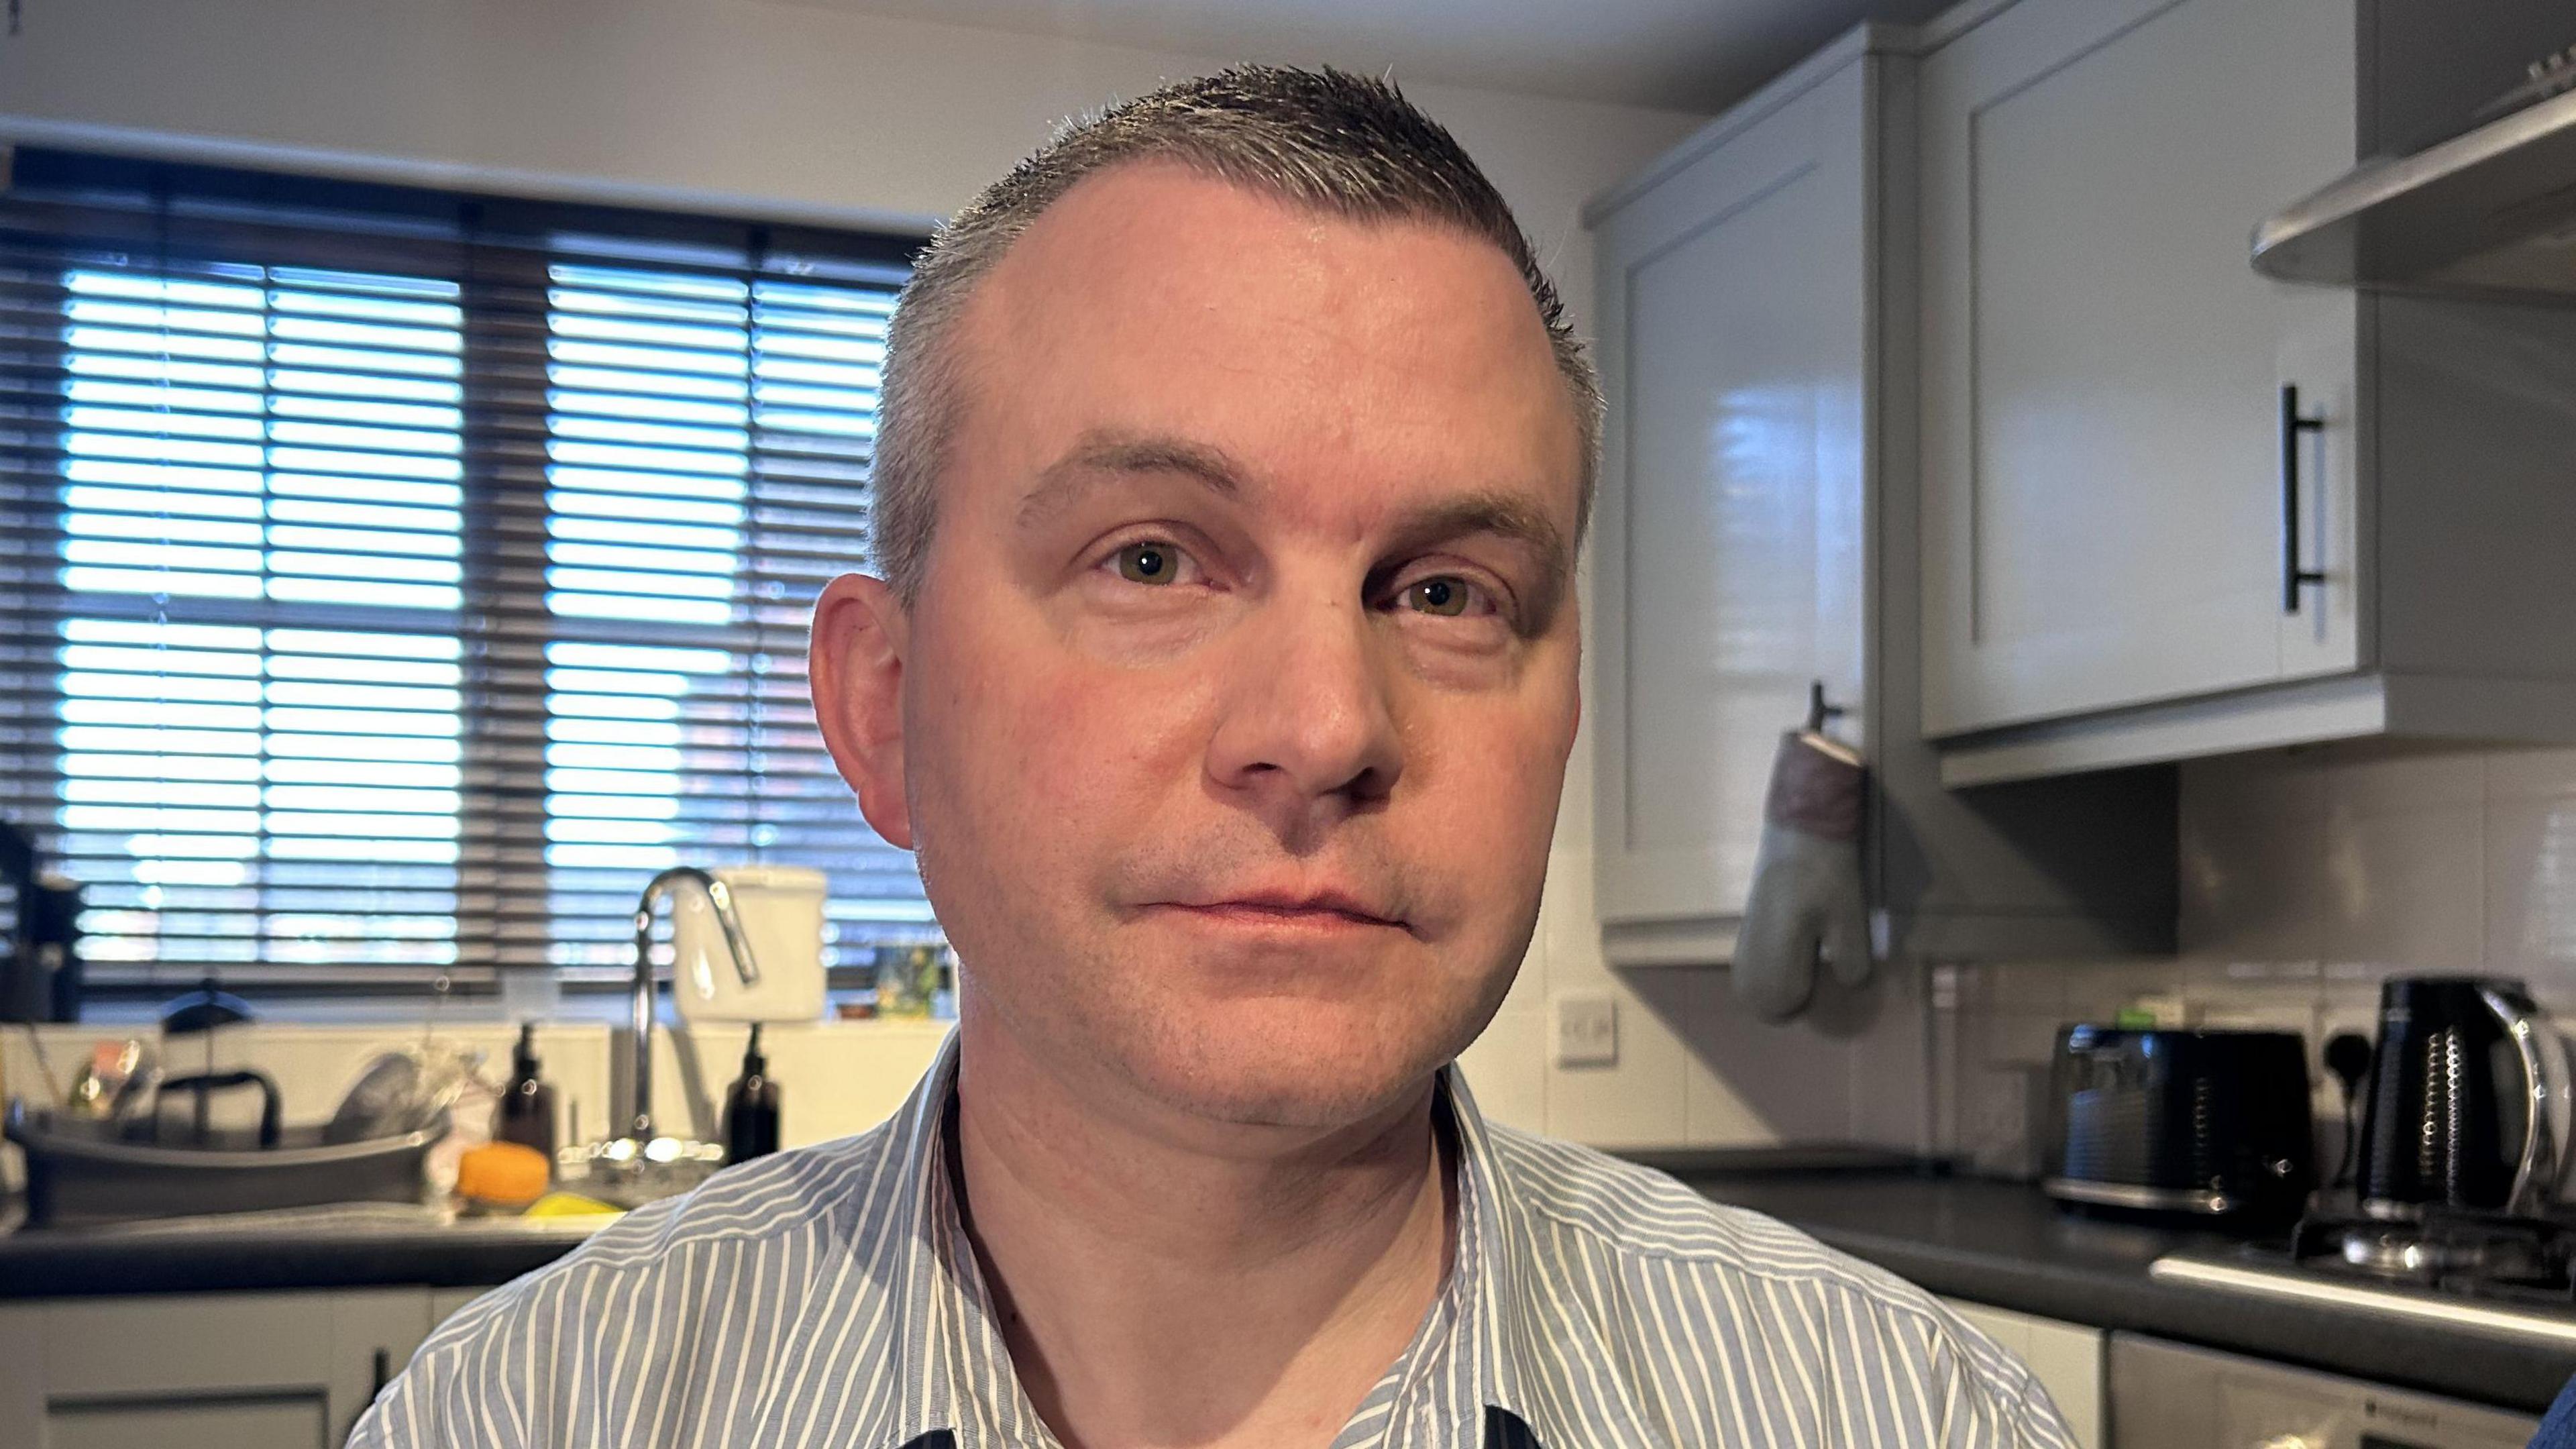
column 299, row 1421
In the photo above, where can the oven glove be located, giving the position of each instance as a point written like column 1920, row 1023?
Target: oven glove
column 1806, row 899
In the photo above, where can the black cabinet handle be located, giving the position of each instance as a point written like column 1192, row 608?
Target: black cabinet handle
column 384, row 1374
column 2294, row 427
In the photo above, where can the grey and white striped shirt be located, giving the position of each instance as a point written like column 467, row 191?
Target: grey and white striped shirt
column 828, row 1296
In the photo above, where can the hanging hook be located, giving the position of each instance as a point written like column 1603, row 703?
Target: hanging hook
column 1817, row 710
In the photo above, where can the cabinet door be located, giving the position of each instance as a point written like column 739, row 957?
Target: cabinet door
column 269, row 1369
column 1729, row 562
column 2104, row 510
column 446, row 1303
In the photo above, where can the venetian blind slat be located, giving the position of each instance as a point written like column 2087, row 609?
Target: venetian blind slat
column 394, row 581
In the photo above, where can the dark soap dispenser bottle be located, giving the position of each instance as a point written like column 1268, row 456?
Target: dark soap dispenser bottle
column 751, row 1107
column 526, row 1114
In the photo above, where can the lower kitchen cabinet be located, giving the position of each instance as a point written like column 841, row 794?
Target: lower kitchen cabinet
column 2066, row 1358
column 211, row 1371
column 445, row 1303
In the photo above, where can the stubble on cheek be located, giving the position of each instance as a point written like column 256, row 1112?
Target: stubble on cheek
column 1013, row 814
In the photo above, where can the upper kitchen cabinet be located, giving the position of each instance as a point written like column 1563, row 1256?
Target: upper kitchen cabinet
column 2172, row 508
column 1756, row 533
column 1729, row 565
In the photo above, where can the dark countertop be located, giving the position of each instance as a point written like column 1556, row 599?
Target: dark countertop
column 2007, row 1245
column 347, row 1247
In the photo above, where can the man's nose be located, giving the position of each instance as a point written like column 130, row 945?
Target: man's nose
column 1308, row 714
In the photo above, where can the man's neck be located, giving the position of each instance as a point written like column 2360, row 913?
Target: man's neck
column 1157, row 1294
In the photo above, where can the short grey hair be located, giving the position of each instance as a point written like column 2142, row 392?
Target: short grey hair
column 1342, row 144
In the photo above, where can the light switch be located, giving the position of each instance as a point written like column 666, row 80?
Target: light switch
column 1587, row 1030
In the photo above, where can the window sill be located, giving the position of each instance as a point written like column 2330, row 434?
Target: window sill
column 574, row 1009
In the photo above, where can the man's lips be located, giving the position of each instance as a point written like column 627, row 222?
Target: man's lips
column 1321, row 911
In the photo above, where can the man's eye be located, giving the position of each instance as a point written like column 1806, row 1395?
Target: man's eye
column 1149, row 563
column 1444, row 595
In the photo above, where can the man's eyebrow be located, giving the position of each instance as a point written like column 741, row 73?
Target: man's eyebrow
column 1098, row 455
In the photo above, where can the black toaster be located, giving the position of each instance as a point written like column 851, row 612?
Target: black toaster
column 2208, row 1123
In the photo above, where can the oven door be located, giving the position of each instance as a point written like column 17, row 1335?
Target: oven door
column 2167, row 1396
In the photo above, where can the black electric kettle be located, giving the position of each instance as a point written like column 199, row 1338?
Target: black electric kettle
column 2468, row 1094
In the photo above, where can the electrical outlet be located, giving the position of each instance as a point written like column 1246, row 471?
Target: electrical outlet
column 2002, row 1117
column 1587, row 1030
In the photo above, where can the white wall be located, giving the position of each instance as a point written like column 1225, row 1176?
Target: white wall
column 895, row 120
column 786, row 109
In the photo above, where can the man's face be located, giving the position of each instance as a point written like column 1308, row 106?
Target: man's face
column 1237, row 696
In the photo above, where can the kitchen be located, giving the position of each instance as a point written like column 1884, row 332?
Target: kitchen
column 2006, row 475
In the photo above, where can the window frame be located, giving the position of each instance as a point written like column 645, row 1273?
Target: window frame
column 500, row 819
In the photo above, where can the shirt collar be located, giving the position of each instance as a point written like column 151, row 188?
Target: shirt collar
column 954, row 1368
column 1490, row 1266
column 949, row 1358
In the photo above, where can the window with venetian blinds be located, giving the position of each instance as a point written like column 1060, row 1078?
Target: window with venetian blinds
column 396, row 579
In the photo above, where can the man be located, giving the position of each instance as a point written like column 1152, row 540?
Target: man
column 1222, row 675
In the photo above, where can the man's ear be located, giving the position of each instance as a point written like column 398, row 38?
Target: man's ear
column 855, row 667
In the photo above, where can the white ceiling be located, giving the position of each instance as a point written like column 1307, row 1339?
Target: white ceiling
column 1692, row 55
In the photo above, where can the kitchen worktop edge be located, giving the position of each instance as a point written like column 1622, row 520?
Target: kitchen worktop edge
column 2007, row 1245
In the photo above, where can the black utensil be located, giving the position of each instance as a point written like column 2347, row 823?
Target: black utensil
column 2348, row 1057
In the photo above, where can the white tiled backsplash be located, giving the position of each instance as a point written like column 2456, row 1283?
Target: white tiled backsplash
column 1694, row 1068
column 2307, row 876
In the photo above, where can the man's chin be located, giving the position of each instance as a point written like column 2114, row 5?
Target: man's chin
column 1303, row 1080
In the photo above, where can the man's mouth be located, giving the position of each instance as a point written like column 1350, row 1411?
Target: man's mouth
column 1322, row 912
